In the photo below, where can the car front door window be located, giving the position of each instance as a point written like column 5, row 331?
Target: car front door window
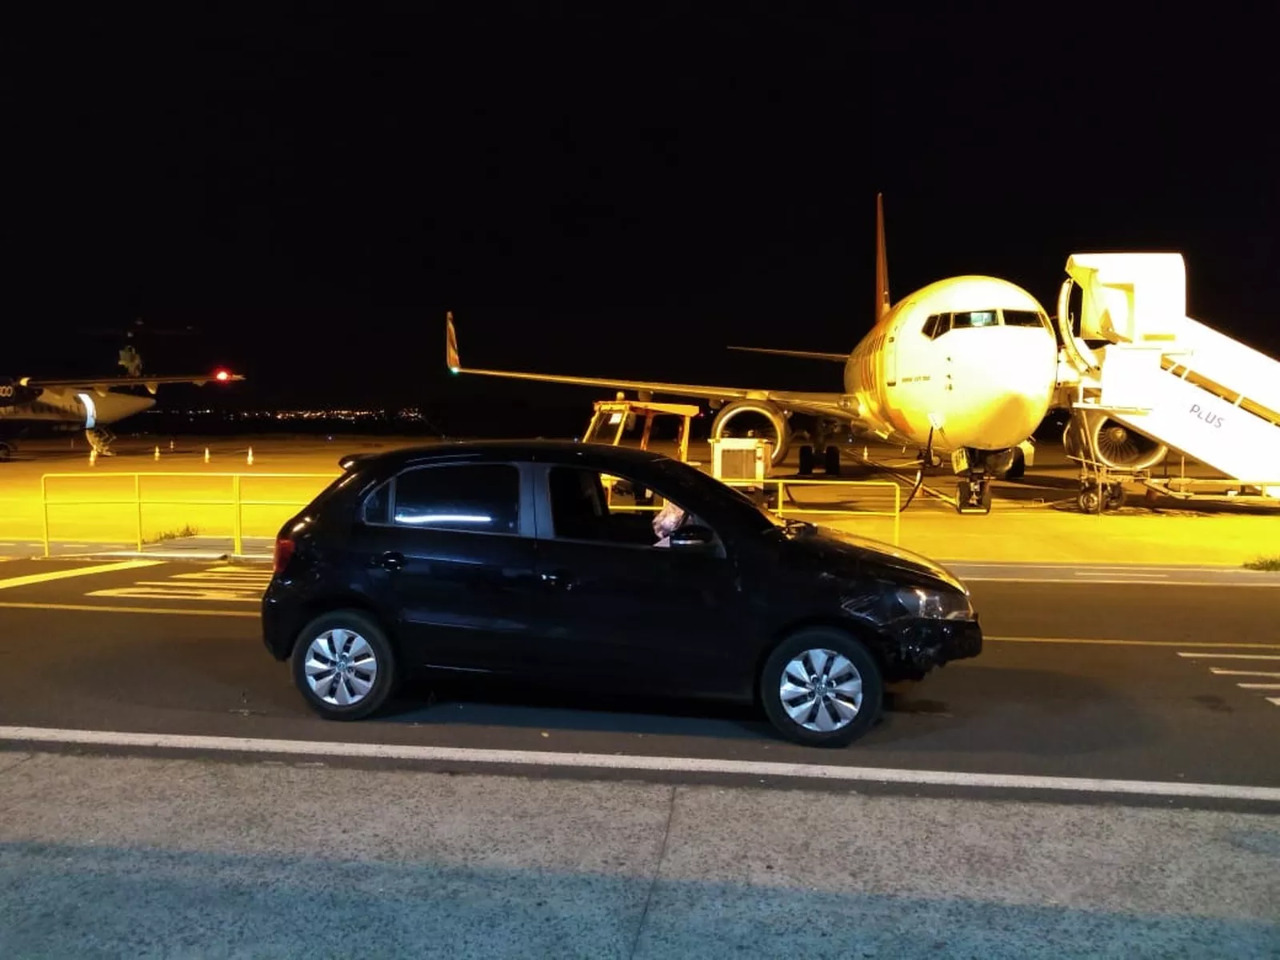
column 587, row 505
column 620, row 601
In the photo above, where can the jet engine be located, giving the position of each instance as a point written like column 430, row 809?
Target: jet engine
column 754, row 418
column 1118, row 446
column 13, row 393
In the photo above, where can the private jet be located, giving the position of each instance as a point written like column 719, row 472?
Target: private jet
column 89, row 403
column 965, row 367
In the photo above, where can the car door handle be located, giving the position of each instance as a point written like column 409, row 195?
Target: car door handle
column 556, row 579
column 391, row 560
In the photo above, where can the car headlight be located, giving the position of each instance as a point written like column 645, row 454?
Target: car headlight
column 935, row 604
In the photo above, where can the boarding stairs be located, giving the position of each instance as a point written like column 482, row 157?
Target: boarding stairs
column 1167, row 376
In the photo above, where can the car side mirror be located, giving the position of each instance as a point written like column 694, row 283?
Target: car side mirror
column 692, row 536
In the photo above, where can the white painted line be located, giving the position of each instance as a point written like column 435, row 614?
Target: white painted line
column 607, row 761
column 78, row 572
column 1258, row 686
column 1231, row 656
column 1133, row 643
column 1241, row 673
column 1128, row 576
column 1275, row 700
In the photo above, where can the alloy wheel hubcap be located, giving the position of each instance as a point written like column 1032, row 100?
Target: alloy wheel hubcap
column 821, row 690
column 340, row 667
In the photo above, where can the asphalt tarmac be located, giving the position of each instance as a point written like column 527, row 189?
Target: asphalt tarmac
column 1102, row 781
column 1163, row 682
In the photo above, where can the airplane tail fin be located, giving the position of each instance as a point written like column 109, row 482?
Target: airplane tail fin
column 451, row 344
column 882, row 263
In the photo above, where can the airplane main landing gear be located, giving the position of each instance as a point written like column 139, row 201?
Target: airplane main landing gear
column 830, row 461
column 100, row 440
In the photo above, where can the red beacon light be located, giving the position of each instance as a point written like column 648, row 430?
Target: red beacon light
column 222, row 375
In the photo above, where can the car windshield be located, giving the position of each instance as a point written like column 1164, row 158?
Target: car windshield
column 697, row 484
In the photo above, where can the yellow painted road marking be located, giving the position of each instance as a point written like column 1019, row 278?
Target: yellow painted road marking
column 79, row 572
column 163, row 590
column 103, row 608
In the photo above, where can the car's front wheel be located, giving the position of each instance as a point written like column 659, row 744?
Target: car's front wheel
column 821, row 687
column 343, row 665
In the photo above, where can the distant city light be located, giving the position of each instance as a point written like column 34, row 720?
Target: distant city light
column 410, row 414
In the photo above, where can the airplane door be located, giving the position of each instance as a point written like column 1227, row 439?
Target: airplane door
column 891, row 352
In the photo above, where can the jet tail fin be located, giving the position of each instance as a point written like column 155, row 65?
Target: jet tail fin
column 451, row 344
column 882, row 263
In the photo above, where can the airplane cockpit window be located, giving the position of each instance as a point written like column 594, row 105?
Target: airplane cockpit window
column 1023, row 318
column 974, row 318
column 930, row 326
column 937, row 325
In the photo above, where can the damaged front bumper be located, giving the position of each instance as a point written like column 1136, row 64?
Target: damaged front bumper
column 922, row 644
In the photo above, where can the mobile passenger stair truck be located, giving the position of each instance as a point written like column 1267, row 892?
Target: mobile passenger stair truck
column 1141, row 379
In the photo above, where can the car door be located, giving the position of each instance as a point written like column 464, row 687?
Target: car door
column 616, row 607
column 449, row 547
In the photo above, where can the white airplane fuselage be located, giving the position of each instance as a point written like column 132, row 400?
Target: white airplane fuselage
column 85, row 408
column 981, row 383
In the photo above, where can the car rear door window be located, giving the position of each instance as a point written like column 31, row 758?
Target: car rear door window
column 375, row 505
column 474, row 497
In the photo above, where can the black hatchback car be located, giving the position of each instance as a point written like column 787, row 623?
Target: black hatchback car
column 617, row 569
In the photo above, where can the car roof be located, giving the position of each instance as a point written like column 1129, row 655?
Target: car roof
column 547, row 451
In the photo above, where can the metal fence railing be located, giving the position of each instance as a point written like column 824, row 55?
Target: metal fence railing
column 134, row 499
column 137, row 500
column 784, row 503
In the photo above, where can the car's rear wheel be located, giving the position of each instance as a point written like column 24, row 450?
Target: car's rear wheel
column 343, row 665
column 821, row 687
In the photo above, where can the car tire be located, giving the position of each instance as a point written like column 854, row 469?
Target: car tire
column 352, row 641
column 847, row 676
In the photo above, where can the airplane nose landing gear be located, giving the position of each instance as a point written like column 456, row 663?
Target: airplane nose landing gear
column 973, row 494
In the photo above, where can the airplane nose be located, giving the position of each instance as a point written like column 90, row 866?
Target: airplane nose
column 1006, row 388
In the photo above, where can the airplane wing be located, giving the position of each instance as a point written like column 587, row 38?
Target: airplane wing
column 101, row 385
column 835, row 405
column 802, row 354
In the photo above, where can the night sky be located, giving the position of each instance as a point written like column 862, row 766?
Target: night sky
column 615, row 192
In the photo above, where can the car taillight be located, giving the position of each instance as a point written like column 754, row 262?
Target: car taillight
column 283, row 553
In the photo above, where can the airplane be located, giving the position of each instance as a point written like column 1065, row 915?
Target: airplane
column 90, row 402
column 965, row 366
